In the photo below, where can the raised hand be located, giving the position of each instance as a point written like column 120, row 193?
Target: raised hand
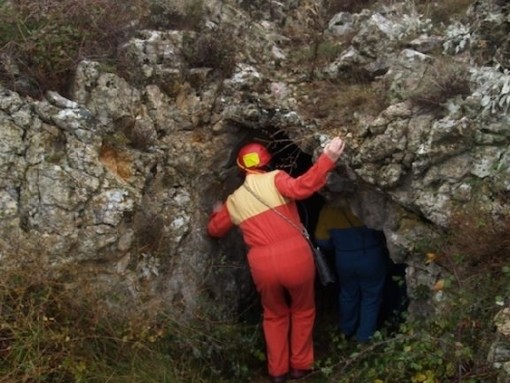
column 334, row 148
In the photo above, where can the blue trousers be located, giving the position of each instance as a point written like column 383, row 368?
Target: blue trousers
column 361, row 275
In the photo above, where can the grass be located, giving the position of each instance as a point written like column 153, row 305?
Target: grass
column 54, row 328
column 44, row 41
column 50, row 332
column 337, row 104
column 442, row 81
column 443, row 12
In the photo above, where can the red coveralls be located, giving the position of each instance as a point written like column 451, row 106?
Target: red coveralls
column 280, row 259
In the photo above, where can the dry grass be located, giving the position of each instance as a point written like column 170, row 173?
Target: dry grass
column 443, row 12
column 336, row 104
column 442, row 81
column 56, row 327
column 212, row 49
column 176, row 14
column 45, row 40
column 481, row 239
column 352, row 6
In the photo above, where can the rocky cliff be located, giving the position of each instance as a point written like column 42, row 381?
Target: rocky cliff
column 119, row 178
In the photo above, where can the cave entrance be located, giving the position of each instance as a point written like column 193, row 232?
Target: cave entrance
column 286, row 155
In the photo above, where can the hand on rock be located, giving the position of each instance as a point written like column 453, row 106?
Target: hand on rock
column 334, row 148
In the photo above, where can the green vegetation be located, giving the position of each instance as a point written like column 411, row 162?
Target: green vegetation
column 54, row 329
column 44, row 41
column 452, row 344
column 176, row 14
column 41, row 43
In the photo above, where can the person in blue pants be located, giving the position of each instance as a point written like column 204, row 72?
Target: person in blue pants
column 361, row 268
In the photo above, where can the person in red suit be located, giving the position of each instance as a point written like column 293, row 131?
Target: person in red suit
column 280, row 259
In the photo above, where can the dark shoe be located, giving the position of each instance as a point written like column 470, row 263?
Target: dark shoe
column 278, row 379
column 296, row 373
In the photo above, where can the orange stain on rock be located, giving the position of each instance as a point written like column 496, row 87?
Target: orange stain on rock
column 116, row 161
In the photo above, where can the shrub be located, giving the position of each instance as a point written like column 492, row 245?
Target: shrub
column 212, row 49
column 442, row 81
column 452, row 345
column 443, row 12
column 493, row 89
column 149, row 232
column 458, row 38
column 477, row 239
column 176, row 14
column 352, row 6
column 44, row 40
column 339, row 103
column 37, row 337
column 61, row 323
column 56, row 327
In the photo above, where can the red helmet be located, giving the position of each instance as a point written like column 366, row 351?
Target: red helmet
column 253, row 156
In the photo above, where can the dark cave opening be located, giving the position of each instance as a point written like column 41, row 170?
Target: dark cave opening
column 286, row 155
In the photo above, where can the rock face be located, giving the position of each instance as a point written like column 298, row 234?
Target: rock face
column 121, row 178
column 499, row 354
